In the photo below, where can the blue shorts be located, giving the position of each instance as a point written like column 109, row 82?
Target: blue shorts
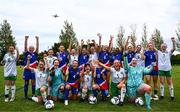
column 153, row 73
column 29, row 75
column 74, row 90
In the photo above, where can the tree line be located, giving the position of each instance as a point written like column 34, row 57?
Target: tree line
column 68, row 35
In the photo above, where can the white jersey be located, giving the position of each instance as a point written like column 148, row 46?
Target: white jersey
column 140, row 62
column 10, row 64
column 93, row 57
column 41, row 78
column 72, row 58
column 117, row 76
column 88, row 80
column 164, row 60
column 50, row 60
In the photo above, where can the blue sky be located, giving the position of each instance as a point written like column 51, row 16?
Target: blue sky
column 33, row 17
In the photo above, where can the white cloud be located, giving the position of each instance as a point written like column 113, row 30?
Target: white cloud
column 33, row 17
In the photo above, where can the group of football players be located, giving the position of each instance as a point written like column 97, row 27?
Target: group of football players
column 92, row 68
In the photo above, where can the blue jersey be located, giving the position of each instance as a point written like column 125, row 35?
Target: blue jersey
column 74, row 75
column 83, row 59
column 33, row 60
column 117, row 56
column 130, row 56
column 28, row 74
column 63, row 57
column 150, row 57
column 99, row 77
column 104, row 56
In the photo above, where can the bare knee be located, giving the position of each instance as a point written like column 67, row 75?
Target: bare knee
column 68, row 87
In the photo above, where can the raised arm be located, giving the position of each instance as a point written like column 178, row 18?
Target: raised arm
column 100, row 37
column 110, row 43
column 174, row 44
column 126, row 64
column 69, row 48
column 47, row 64
column 28, row 63
column 127, row 42
column 37, row 44
column 25, row 43
column 17, row 51
column 103, row 65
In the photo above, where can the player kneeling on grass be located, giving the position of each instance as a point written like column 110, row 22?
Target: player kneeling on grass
column 86, row 84
column 118, row 77
column 100, row 81
column 41, row 81
column 56, row 79
column 10, row 72
column 135, row 83
column 73, row 74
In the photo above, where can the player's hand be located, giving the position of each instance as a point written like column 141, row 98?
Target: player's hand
column 82, row 41
column 99, row 35
column 111, row 37
column 37, row 37
column 29, row 57
column 153, row 64
column 173, row 39
column 121, row 84
column 26, row 37
column 93, row 41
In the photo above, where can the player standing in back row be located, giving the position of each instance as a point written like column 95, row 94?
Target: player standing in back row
column 28, row 74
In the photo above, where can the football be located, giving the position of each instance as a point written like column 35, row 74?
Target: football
column 49, row 104
column 139, row 101
column 92, row 100
column 115, row 100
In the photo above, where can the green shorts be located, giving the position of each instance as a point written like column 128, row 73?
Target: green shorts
column 165, row 73
column 114, row 89
column 38, row 92
column 12, row 78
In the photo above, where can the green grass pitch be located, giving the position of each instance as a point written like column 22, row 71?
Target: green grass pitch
column 21, row 104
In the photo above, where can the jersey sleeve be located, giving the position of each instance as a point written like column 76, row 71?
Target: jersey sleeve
column 148, row 69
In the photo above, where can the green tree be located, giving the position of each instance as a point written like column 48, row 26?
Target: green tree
column 144, row 36
column 178, row 37
column 67, row 35
column 6, row 38
column 120, row 38
column 158, row 39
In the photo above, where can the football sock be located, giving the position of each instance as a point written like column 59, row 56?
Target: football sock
column 161, row 89
column 104, row 92
column 6, row 91
column 33, row 89
column 26, row 89
column 95, row 93
column 147, row 99
column 13, row 90
column 44, row 96
column 66, row 94
column 123, row 92
column 171, row 90
column 84, row 93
